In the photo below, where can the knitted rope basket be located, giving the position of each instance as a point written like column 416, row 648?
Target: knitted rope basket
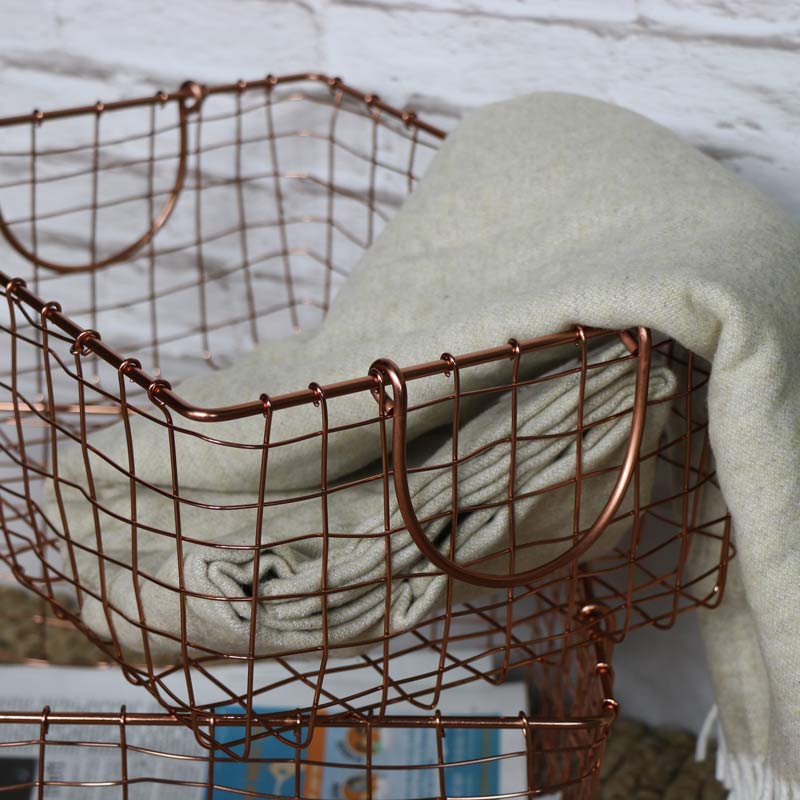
column 157, row 238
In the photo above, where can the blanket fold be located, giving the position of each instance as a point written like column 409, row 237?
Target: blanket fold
column 537, row 213
column 290, row 572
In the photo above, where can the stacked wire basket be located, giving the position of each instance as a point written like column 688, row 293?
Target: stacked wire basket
column 154, row 238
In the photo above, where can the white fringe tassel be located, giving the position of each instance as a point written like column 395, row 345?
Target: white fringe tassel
column 710, row 727
column 746, row 777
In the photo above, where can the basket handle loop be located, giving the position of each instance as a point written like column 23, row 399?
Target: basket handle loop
column 397, row 408
column 189, row 91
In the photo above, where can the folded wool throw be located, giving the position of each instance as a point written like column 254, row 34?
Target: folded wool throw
column 536, row 214
column 293, row 568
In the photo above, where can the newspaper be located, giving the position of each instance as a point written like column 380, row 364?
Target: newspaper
column 403, row 760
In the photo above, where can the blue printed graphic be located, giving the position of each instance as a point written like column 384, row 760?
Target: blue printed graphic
column 404, row 764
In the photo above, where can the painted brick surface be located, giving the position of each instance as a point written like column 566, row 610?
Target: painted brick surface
column 720, row 72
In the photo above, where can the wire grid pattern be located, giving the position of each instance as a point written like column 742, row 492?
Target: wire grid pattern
column 132, row 752
column 131, row 755
column 132, row 765
column 283, row 182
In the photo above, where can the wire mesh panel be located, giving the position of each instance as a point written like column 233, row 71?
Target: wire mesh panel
column 179, row 232
column 556, row 747
column 123, row 757
column 52, row 754
column 231, row 214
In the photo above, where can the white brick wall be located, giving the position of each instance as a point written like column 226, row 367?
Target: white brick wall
column 723, row 73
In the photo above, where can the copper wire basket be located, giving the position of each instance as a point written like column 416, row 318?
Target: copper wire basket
column 193, row 225
column 562, row 754
column 557, row 746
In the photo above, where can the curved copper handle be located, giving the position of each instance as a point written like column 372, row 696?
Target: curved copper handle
column 397, row 408
column 190, row 89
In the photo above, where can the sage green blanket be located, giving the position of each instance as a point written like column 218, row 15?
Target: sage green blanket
column 536, row 214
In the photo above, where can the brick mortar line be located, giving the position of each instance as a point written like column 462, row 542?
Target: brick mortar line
column 618, row 30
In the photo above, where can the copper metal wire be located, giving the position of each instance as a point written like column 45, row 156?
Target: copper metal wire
column 558, row 746
column 309, row 169
column 558, row 749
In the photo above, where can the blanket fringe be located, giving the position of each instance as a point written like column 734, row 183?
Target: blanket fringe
column 746, row 777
